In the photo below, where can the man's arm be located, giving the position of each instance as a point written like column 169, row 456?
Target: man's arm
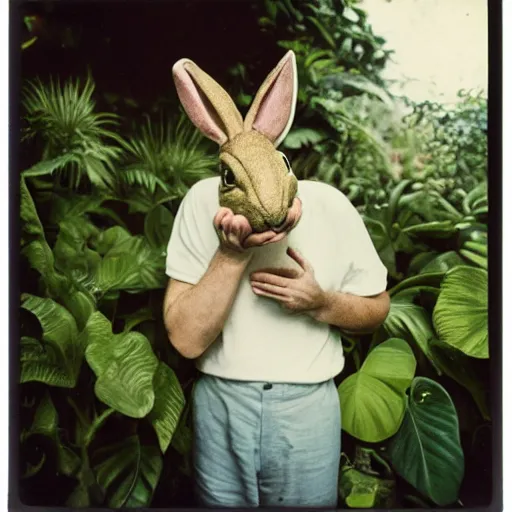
column 194, row 315
column 298, row 290
column 352, row 313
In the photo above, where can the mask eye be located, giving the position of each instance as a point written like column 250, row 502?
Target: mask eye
column 228, row 177
column 287, row 162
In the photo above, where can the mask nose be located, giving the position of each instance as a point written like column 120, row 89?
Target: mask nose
column 277, row 224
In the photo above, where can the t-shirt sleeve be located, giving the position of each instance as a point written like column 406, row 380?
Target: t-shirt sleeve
column 193, row 240
column 366, row 274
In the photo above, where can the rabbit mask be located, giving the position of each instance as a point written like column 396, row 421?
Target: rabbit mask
column 256, row 179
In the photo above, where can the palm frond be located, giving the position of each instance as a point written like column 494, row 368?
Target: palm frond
column 76, row 138
column 169, row 155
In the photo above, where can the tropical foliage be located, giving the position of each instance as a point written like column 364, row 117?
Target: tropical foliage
column 104, row 396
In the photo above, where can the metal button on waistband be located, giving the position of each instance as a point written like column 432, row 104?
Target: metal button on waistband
column 267, row 386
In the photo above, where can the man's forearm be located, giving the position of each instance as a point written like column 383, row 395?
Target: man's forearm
column 197, row 316
column 351, row 312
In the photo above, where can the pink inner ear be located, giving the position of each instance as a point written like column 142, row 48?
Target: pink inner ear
column 275, row 109
column 197, row 106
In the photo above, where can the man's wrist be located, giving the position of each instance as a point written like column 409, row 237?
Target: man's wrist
column 320, row 312
column 238, row 258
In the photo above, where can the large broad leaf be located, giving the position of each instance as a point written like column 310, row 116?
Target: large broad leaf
column 460, row 368
column 124, row 365
column 45, row 423
column 57, row 359
column 461, row 313
column 45, row 417
column 128, row 472
column 110, row 238
column 28, row 213
column 372, row 400
column 158, row 226
column 131, row 265
column 169, row 404
column 443, row 263
column 408, row 320
column 427, row 451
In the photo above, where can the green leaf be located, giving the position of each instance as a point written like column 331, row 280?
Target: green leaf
column 45, row 423
column 372, row 400
column 45, row 418
column 475, row 259
column 131, row 265
column 409, row 321
column 110, row 238
column 169, row 404
column 361, row 490
column 437, row 229
column 432, row 279
column 56, row 360
column 124, row 365
column 461, row 313
column 28, row 213
column 128, row 472
column 33, row 469
column 350, row 15
column 46, row 167
column 442, row 263
column 302, row 137
column 158, row 226
column 323, row 31
column 460, row 368
column 136, row 318
column 427, row 451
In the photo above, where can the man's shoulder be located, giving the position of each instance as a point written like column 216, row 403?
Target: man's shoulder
column 205, row 188
column 328, row 194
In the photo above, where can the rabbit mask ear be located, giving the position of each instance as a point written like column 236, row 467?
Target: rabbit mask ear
column 206, row 103
column 273, row 108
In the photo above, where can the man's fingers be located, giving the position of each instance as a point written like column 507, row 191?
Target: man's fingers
column 271, row 288
column 288, row 273
column 258, row 238
column 295, row 255
column 263, row 277
column 276, row 238
column 222, row 214
column 280, row 298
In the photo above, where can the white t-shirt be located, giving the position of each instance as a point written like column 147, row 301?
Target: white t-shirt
column 261, row 341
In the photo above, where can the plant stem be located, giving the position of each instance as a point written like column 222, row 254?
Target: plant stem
column 96, row 424
column 80, row 416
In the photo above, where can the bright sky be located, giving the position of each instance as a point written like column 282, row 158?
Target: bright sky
column 441, row 44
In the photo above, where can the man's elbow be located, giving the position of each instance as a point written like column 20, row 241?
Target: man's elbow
column 382, row 311
column 187, row 344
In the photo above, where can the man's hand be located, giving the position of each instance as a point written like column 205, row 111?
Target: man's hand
column 235, row 232
column 296, row 289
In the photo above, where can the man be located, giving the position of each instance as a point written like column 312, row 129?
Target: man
column 262, row 314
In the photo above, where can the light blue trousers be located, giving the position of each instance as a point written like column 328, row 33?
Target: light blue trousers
column 261, row 444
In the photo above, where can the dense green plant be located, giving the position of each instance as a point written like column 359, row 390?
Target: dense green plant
column 74, row 139
column 105, row 397
column 162, row 161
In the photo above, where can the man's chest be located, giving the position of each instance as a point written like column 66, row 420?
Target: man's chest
column 318, row 243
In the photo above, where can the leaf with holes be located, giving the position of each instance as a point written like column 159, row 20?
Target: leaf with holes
column 426, row 450
column 372, row 400
column 461, row 313
column 124, row 365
